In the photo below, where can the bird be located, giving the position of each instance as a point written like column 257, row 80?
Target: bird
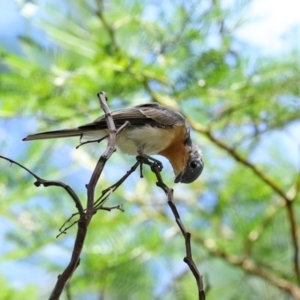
column 153, row 129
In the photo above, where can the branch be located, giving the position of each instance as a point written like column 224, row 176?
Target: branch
column 104, row 157
column 187, row 236
column 85, row 218
column 85, row 215
column 288, row 200
column 62, row 279
column 98, row 205
column 107, row 192
column 46, row 183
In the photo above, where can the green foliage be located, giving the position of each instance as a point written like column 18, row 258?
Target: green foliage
column 243, row 108
column 10, row 293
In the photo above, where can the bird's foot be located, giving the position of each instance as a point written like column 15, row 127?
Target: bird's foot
column 150, row 161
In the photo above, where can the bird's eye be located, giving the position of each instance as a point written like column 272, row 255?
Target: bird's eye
column 193, row 164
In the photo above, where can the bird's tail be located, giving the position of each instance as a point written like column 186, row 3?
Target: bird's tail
column 55, row 134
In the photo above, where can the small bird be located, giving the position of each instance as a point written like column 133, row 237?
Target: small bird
column 152, row 129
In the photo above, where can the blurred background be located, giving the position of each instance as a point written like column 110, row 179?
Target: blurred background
column 232, row 68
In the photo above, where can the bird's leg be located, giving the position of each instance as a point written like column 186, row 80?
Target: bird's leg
column 150, row 161
column 141, row 167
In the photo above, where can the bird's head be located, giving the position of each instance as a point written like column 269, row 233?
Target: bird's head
column 193, row 167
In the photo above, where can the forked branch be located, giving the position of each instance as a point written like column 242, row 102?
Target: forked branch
column 93, row 205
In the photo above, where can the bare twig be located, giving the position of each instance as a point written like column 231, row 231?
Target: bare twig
column 112, row 188
column 104, row 157
column 98, row 205
column 63, row 228
column 81, row 229
column 86, row 217
column 288, row 201
column 93, row 141
column 46, row 183
column 187, row 236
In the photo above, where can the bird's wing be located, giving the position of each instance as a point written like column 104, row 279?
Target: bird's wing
column 151, row 114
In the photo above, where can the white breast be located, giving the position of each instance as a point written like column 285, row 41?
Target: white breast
column 148, row 140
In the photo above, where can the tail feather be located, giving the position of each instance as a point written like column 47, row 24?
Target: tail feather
column 55, row 134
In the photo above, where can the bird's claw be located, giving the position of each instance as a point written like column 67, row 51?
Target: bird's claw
column 157, row 165
column 150, row 161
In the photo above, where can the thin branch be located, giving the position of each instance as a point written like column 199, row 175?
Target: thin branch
column 62, row 279
column 98, row 205
column 86, row 217
column 260, row 174
column 187, row 236
column 47, row 183
column 93, row 141
column 111, row 147
column 63, row 228
column 16, row 163
column 112, row 188
column 110, row 208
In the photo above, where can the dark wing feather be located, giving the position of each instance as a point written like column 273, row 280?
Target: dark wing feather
column 150, row 114
column 163, row 116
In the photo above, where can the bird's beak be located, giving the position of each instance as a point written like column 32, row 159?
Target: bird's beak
column 178, row 177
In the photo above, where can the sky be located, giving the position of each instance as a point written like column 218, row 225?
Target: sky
column 271, row 22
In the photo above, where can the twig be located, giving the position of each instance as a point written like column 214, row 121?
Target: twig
column 93, row 141
column 118, row 206
column 187, row 236
column 62, row 279
column 47, row 183
column 87, row 215
column 104, row 157
column 63, row 228
column 98, row 205
column 112, row 188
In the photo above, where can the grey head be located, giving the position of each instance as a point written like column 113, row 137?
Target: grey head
column 193, row 168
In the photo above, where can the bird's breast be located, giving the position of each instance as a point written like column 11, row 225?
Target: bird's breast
column 146, row 139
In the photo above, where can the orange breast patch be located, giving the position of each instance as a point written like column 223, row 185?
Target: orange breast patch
column 176, row 152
